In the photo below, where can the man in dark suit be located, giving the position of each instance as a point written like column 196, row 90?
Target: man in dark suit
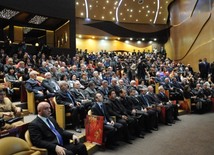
column 153, row 114
column 46, row 133
column 115, row 108
column 64, row 96
column 33, row 85
column 164, row 98
column 49, row 83
column 110, row 127
column 103, row 89
column 154, row 100
column 80, row 96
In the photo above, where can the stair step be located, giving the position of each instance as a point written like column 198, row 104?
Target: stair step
column 182, row 112
column 91, row 147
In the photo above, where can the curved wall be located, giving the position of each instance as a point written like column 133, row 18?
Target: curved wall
column 94, row 45
column 191, row 34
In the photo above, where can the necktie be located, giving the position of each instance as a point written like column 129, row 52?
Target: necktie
column 81, row 94
column 58, row 136
column 101, row 107
column 146, row 100
column 70, row 97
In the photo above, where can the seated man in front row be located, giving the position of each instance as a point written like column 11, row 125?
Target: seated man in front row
column 46, row 133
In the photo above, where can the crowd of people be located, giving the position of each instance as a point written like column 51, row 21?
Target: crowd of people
column 114, row 84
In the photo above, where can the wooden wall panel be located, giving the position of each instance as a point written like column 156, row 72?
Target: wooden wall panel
column 112, row 45
column 192, row 36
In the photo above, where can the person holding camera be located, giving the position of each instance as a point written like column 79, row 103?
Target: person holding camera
column 8, row 111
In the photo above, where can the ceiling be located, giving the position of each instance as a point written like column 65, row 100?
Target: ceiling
column 26, row 19
column 102, row 14
column 127, row 11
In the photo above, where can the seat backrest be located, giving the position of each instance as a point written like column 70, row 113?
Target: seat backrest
column 27, row 138
column 31, row 102
column 39, row 78
column 12, row 145
column 43, row 151
column 60, row 114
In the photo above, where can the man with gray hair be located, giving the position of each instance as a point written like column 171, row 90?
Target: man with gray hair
column 49, row 83
column 64, row 96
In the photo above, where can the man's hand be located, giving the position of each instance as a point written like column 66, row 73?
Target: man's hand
column 60, row 150
column 78, row 103
column 76, row 138
column 40, row 92
column 124, row 117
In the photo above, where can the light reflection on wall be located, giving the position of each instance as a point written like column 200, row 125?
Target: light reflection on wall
column 94, row 45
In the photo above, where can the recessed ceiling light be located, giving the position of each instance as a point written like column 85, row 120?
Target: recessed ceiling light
column 7, row 14
column 37, row 19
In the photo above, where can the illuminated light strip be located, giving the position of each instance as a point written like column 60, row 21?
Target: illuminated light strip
column 86, row 9
column 157, row 11
column 117, row 10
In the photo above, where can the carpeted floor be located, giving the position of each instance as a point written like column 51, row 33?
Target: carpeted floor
column 194, row 135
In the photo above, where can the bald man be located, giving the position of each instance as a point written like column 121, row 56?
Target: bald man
column 46, row 133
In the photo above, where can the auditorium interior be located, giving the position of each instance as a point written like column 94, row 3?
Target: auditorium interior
column 183, row 28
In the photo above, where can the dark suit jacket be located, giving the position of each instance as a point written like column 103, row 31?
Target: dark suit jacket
column 49, row 85
column 77, row 95
column 162, row 97
column 115, row 108
column 42, row 136
column 62, row 98
column 97, row 111
column 33, row 86
column 143, row 101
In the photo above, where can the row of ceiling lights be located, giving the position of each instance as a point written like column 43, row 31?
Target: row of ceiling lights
column 156, row 11
column 107, row 38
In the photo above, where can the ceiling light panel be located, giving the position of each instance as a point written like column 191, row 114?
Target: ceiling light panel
column 7, row 13
column 37, row 20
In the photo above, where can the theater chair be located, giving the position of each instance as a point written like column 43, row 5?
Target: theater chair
column 60, row 114
column 43, row 151
column 16, row 146
column 31, row 102
column 156, row 88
